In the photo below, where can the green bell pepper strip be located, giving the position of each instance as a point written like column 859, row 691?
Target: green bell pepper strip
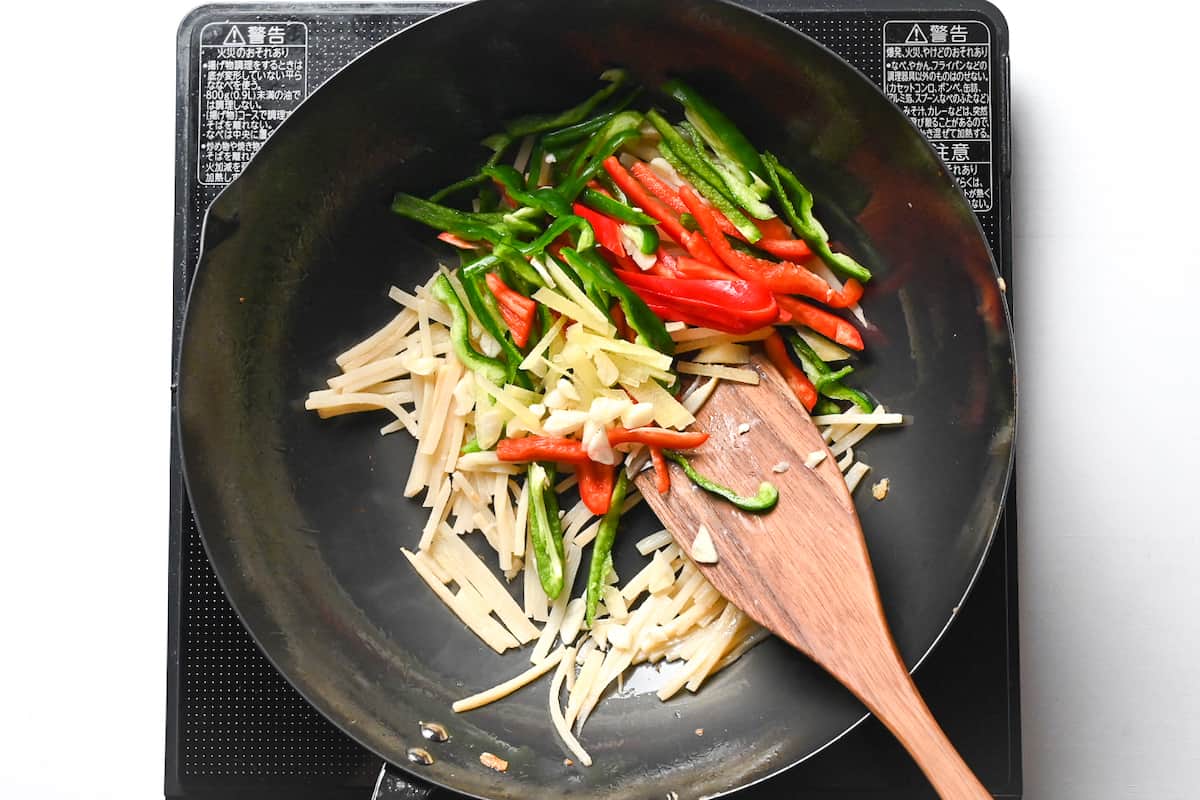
column 826, row 406
column 573, row 186
column 593, row 270
column 614, row 208
column 710, row 193
column 599, row 299
column 553, row 515
column 761, row 188
column 546, row 316
column 735, row 184
column 514, row 259
column 558, row 139
column 498, row 143
column 564, row 137
column 543, row 199
column 483, row 303
column 716, row 128
column 472, row 446
column 492, row 226
column 757, row 186
column 547, row 552
column 519, row 220
column 558, row 228
column 765, row 500
column 608, row 567
column 516, row 279
column 460, row 335
column 682, row 148
column 602, row 548
column 797, row 204
column 533, row 170
column 456, row 187
column 515, row 254
column 592, row 289
column 605, row 180
column 624, row 121
column 743, row 193
column 460, row 223
column 488, row 197
column 827, row 381
column 644, row 236
column 540, row 123
column 509, row 216
column 570, row 271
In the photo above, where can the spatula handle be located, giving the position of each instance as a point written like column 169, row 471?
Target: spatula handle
column 905, row 714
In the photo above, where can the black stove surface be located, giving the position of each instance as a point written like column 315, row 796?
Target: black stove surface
column 237, row 729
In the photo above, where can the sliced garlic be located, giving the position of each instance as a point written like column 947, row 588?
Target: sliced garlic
column 703, row 549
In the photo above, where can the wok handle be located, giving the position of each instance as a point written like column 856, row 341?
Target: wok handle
column 396, row 784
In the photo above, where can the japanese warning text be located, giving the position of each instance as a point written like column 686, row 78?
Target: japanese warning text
column 252, row 74
column 939, row 74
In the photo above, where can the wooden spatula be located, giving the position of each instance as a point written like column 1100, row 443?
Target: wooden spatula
column 802, row 570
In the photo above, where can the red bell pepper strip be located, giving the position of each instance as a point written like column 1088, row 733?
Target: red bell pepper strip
column 707, row 315
column 542, row 448
column 681, row 266
column 661, row 473
column 658, row 187
column 668, row 309
column 667, row 193
column 623, row 262
column 572, row 451
column 627, row 264
column 692, row 268
column 519, row 311
column 700, row 250
column 661, row 270
column 821, row 321
column 750, row 302
column 457, row 241
column 774, row 228
column 607, row 229
column 671, row 313
column 668, row 260
column 657, row 437
column 851, row 293
column 595, row 485
column 777, row 352
column 782, row 276
column 643, row 199
column 785, row 248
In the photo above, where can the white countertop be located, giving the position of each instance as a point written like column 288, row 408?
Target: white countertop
column 1107, row 265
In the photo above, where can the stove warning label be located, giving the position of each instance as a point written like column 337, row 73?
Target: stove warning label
column 252, row 75
column 939, row 73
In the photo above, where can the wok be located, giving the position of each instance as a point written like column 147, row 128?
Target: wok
column 304, row 519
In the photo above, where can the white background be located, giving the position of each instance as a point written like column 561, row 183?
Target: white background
column 1107, row 265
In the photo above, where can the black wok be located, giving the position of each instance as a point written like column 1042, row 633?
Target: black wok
column 304, row 520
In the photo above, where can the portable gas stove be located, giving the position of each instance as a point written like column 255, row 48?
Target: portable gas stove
column 236, row 729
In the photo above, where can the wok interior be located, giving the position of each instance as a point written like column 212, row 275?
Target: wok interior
column 304, row 519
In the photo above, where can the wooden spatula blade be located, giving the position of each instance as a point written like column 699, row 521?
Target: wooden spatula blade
column 801, row 570
column 772, row 564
